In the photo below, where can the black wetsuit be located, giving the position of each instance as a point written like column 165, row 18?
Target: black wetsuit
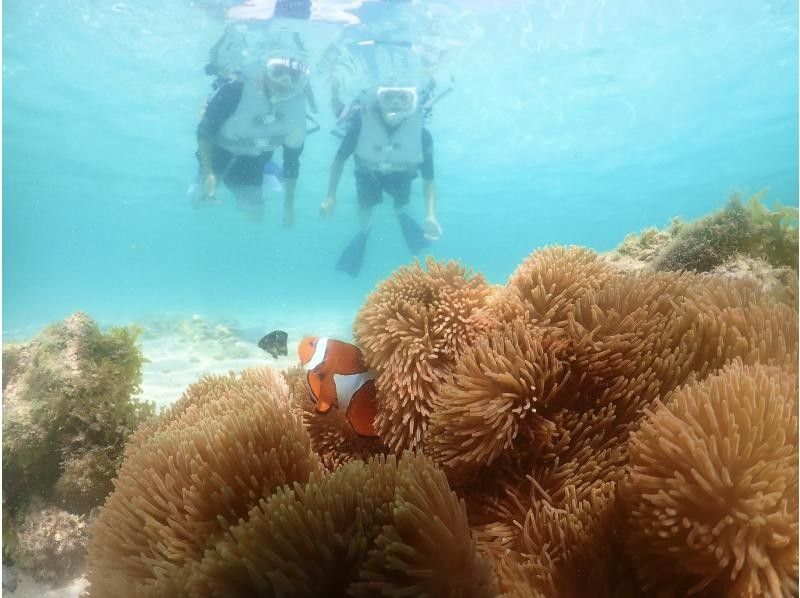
column 370, row 184
column 245, row 170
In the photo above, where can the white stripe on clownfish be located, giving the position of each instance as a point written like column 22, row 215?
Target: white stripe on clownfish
column 347, row 385
column 319, row 353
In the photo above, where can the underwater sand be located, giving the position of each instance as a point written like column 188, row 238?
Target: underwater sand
column 27, row 587
column 180, row 352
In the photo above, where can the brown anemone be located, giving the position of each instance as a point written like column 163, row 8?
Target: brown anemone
column 384, row 527
column 411, row 329
column 546, row 285
column 194, row 474
column 713, row 485
column 495, row 398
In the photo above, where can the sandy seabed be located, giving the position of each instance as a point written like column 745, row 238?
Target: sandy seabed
column 180, row 352
column 27, row 587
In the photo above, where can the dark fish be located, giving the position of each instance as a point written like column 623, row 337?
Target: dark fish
column 274, row 343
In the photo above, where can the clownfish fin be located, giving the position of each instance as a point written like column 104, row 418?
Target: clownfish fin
column 361, row 411
column 322, row 390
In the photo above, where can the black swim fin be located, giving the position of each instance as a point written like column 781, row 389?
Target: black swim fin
column 353, row 255
column 412, row 233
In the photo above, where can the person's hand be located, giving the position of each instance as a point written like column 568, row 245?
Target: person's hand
column 326, row 208
column 432, row 229
column 209, row 186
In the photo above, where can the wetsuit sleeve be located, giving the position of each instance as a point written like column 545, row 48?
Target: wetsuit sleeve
column 350, row 140
column 291, row 161
column 427, row 155
column 220, row 108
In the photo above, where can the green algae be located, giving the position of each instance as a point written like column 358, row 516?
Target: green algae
column 739, row 228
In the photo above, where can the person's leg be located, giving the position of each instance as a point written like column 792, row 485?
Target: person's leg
column 250, row 200
column 364, row 217
column 398, row 185
column 369, row 194
column 352, row 256
column 368, row 189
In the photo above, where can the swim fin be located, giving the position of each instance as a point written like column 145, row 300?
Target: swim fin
column 412, row 233
column 353, row 255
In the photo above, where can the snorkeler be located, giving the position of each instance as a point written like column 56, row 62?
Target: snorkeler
column 391, row 146
column 243, row 124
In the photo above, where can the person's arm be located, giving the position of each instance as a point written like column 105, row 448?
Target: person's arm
column 333, row 180
column 207, row 176
column 218, row 110
column 291, row 170
column 337, row 106
column 429, row 190
column 346, row 148
column 432, row 229
column 329, row 204
column 312, row 101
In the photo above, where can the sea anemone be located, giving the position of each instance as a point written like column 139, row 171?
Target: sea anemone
column 587, row 452
column 720, row 320
column 624, row 347
column 713, row 485
column 411, row 329
column 194, row 474
column 383, row 527
column 574, row 549
column 546, row 285
column 494, row 398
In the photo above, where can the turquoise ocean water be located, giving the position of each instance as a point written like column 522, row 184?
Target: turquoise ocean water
column 570, row 122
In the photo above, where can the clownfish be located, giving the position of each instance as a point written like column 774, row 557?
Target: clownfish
column 339, row 378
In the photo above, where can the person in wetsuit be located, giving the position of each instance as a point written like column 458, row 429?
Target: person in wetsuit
column 243, row 124
column 391, row 146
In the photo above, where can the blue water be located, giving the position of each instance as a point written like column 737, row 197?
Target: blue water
column 571, row 122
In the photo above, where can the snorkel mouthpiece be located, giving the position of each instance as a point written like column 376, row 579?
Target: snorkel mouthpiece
column 286, row 77
column 396, row 103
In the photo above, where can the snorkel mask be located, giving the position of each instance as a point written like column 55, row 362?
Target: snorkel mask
column 285, row 78
column 396, row 103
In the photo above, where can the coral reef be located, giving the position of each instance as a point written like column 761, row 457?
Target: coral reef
column 740, row 231
column 51, row 544
column 68, row 409
column 709, row 242
column 774, row 235
column 778, row 281
column 222, row 495
column 645, row 246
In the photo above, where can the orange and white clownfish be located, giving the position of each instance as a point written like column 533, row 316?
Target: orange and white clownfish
column 338, row 377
